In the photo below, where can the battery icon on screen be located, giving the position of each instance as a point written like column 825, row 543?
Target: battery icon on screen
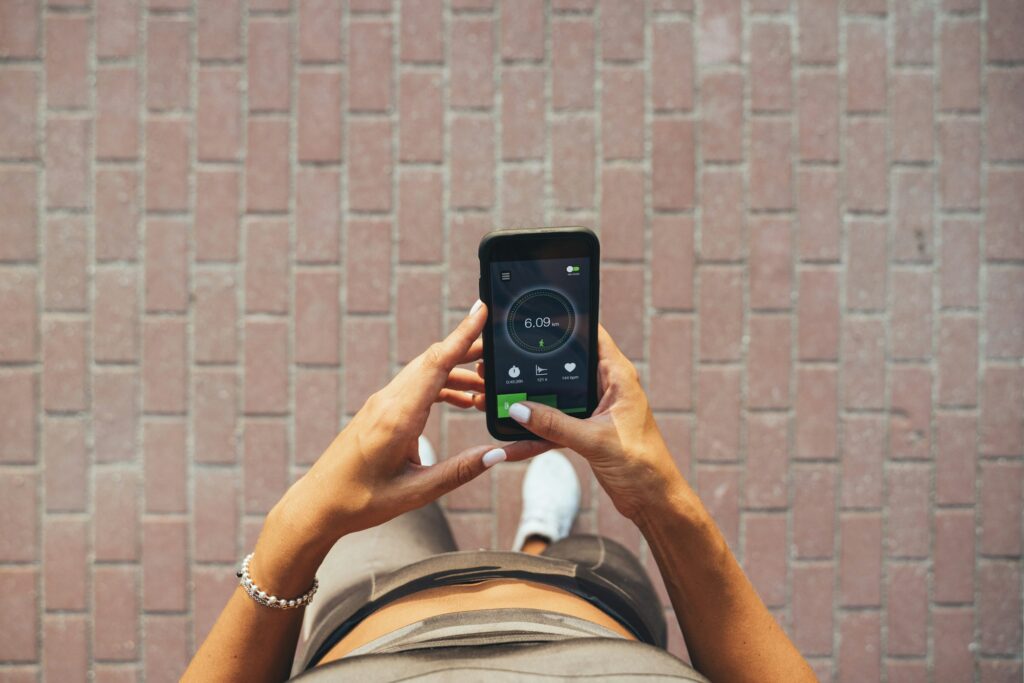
column 572, row 269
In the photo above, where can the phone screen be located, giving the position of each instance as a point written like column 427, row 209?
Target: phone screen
column 540, row 322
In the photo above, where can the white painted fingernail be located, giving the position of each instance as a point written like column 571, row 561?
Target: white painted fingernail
column 476, row 307
column 494, row 456
column 519, row 412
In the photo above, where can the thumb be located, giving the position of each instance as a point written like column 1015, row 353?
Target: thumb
column 460, row 469
column 555, row 426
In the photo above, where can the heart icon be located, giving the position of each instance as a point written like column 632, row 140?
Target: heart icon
column 569, row 367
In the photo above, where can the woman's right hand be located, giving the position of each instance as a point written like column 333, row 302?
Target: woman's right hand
column 620, row 440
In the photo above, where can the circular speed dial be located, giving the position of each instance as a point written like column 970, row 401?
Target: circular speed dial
column 541, row 321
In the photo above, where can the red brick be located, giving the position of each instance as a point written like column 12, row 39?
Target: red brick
column 955, row 457
column 672, row 262
column 65, row 375
column 65, row 264
column 913, row 23
column 167, row 165
column 866, row 270
column 672, row 164
column 770, row 70
column 721, row 25
column 422, row 25
column 19, row 322
column 267, row 169
column 766, row 469
column 959, row 284
column 622, row 213
column 953, row 556
column 718, row 413
column 370, row 165
column 722, row 224
column 816, row 407
column 266, row 267
column 771, row 270
column 319, row 31
column 677, row 431
column 958, row 364
column 771, row 175
column 999, row 607
column 721, row 313
column 909, row 513
column 472, row 530
column 522, row 30
column 622, row 113
column 316, row 317
column 117, row 215
column 523, row 119
column 908, row 609
column 1005, row 21
column 860, row 560
column 811, row 607
column 369, row 6
column 115, row 415
column 66, row 470
column 163, row 365
column 912, row 224
column 65, row 648
column 522, row 196
column 572, row 63
column 115, row 616
column 421, row 120
column 317, row 219
column 818, row 31
column 269, row 65
column 621, row 307
column 18, row 197
column 960, row 74
column 718, row 487
column 366, row 360
column 672, row 66
column 910, row 316
column 1005, row 115
column 369, row 65
column 765, row 556
column 960, row 176
column 19, row 91
column 671, row 378
column 19, row 29
column 508, row 503
column 215, row 411
column 818, row 115
column 818, row 314
column 721, row 117
column 572, row 163
column 910, row 412
column 863, row 360
column 464, row 432
column 19, row 517
column 266, row 464
column 472, row 49
column 219, row 115
column 164, row 568
column 19, row 641
column 814, row 494
column 266, row 367
column 1003, row 305
column 860, row 635
column 418, row 313
column 115, row 523
column 319, row 126
column 316, row 412
column 216, row 517
column 863, row 453
column 1002, row 404
column 622, row 30
column 167, row 63
column 115, row 323
column 866, row 169
column 219, row 29
column 67, row 164
column 1000, row 671
column 911, row 118
column 167, row 651
column 953, row 634
column 165, row 467
column 216, row 314
column 213, row 587
column 1004, row 205
column 866, row 72
column 420, row 216
column 67, row 61
column 962, row 5
column 18, row 391
column 369, row 271
column 166, row 266
column 1000, row 514
column 117, row 123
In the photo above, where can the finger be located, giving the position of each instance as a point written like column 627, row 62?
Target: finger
column 430, row 483
column 459, row 399
column 475, row 353
column 524, row 450
column 480, row 369
column 464, row 380
column 480, row 402
column 555, row 426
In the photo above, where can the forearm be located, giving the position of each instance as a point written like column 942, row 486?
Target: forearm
column 729, row 633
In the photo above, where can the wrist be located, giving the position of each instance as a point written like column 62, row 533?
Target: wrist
column 677, row 502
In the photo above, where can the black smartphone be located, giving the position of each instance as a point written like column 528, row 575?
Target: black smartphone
column 540, row 342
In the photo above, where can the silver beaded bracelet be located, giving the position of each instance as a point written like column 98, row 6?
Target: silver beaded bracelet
column 263, row 598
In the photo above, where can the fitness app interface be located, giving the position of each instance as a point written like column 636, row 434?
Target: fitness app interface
column 540, row 326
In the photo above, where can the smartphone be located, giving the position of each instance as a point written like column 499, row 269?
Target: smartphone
column 540, row 342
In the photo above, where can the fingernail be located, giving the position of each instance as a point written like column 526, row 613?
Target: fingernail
column 494, row 456
column 519, row 412
column 476, row 307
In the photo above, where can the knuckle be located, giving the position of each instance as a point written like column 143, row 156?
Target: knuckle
column 434, row 355
column 463, row 472
column 550, row 424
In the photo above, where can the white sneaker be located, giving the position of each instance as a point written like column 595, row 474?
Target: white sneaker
column 428, row 456
column 551, row 499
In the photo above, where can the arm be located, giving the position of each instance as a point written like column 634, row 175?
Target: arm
column 729, row 632
column 368, row 475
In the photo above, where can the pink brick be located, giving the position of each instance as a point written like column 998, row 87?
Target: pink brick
column 266, row 464
column 116, row 414
column 1000, row 670
column 818, row 214
column 65, row 648
column 864, row 445
column 66, row 469
column 117, row 215
column 266, row 267
column 366, row 359
column 768, row 361
column 771, row 174
column 269, row 65
column 1003, row 305
column 472, row 530
column 1004, row 204
column 672, row 164
column 863, row 359
column 214, row 586
column 166, row 266
column 671, row 379
column 167, row 63
column 219, row 115
column 67, row 172
column 19, row 322
column 65, row 375
column 957, row 361
column 811, row 608
column 217, row 215
column 908, row 609
column 1000, row 514
column 999, row 607
column 960, row 170
column 718, row 487
column 65, row 278
column 1002, row 404
column 215, row 414
column 421, row 119
column 960, row 74
column 621, row 309
column 816, row 407
column 622, row 214
column 420, row 217
column 721, row 117
column 672, row 67
column 266, row 367
column 319, row 31
column 866, row 74
column 721, row 313
column 167, row 165
column 722, row 224
column 369, row 272
column 19, row 90
column 164, row 568
column 522, row 196
column 472, row 48
column 418, row 313
column 953, row 634
column 913, row 22
column 814, row 494
column 771, row 269
column 319, row 128
column 19, row 30
column 911, row 409
column 421, row 37
column 866, row 170
column 116, row 520
column 67, row 61
column 18, row 197
column 117, row 123
column 718, row 413
column 522, row 114
column 116, row 615
column 163, row 365
column 672, row 262
column 622, row 30
column 214, row 303
column 770, row 70
column 167, row 650
column 115, row 329
column 678, row 433
column 818, row 314
column 911, row 117
column 766, row 472
column 953, row 556
column 267, row 169
column 572, row 63
column 909, row 513
column 866, row 272
column 216, row 516
column 721, row 24
column 910, row 316
column 522, row 30
column 818, row 31
column 1005, row 115
column 572, row 161
column 860, row 559
column 955, row 458
column 1005, row 21
column 20, row 517
column 20, row 642
column 316, row 317
column 18, row 392
column 818, row 116
column 316, row 412
column 317, row 215
column 860, row 635
column 369, row 65
column 165, row 467
column 622, row 113
column 219, row 29
column 370, row 166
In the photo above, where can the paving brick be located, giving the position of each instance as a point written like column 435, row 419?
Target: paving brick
column 219, row 114
column 421, row 121
column 814, row 493
column 267, row 172
column 319, row 127
column 718, row 487
column 572, row 163
column 420, row 215
column 765, row 555
column 622, row 214
column 116, row 625
column 912, row 224
column 771, row 175
column 369, row 65
column 319, row 31
column 721, row 116
column 818, row 314
column 66, row 469
column 1003, row 238
column 115, row 334
column 421, row 38
column 522, row 113
column 863, row 453
column 718, row 413
column 955, row 456
column 213, row 587
column 953, row 556
column 65, row 564
column 19, row 90
column 818, row 116
column 910, row 317
column 19, row 491
column 908, row 609
column 67, row 166
column 19, row 323
column 269, row 62
column 960, row 64
column 722, row 224
column 1000, row 512
column 317, row 215
column 1002, row 404
column 216, row 517
column 816, row 407
column 65, row 282
column 522, row 30
column 117, row 215
column 672, row 66
column 267, row 270
column 116, row 414
column 909, row 513
column 811, row 606
column 18, row 404
column 18, row 196
column 65, row 375
column 166, row 652
column 721, row 313
column 866, row 76
column 216, row 313
column 1000, row 670
column 621, row 309
column 866, row 270
column 670, row 386
column 860, row 646
column 866, row 177
column 572, row 63
column 19, row 631
column 164, row 566
column 472, row 45
column 219, row 29
column 724, row 21
column 960, row 172
column 367, row 352
column 1005, row 19
column 622, row 111
column 1004, row 302
column 906, row 670
column 165, row 467
column 466, row 432
column 117, row 104
column 370, row 167
column 863, row 363
column 167, row 63
column 65, row 648
column 767, row 462
column 215, row 415
column 522, row 196
column 316, row 412
column 953, row 634
column 998, row 609
column 166, row 283
column 914, row 23
column 20, row 34
column 369, row 274
column 957, row 361
column 67, row 61
column 771, row 266
column 164, row 342
column 418, row 313
column 1004, row 114
column 672, row 262
column 860, row 559
column 266, row 367
column 116, row 521
column 911, row 129
column 959, row 285
column 771, row 66
column 911, row 407
column 672, row 164
column 167, row 165
column 316, row 318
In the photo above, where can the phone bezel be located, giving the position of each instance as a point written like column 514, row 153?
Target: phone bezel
column 529, row 244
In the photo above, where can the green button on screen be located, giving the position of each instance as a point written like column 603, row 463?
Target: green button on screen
column 506, row 400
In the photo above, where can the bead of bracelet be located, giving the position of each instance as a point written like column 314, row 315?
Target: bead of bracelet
column 266, row 599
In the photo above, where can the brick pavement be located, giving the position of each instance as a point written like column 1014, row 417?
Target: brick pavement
column 225, row 223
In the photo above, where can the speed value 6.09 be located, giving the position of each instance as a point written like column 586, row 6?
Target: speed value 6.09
column 541, row 321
